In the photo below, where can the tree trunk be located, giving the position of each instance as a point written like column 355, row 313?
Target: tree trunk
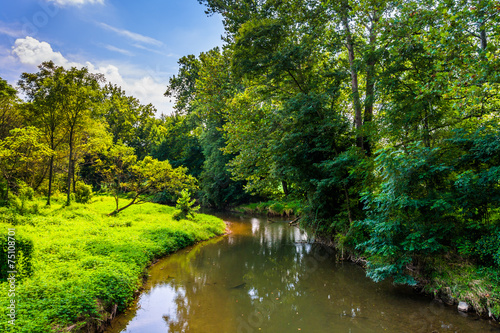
column 370, row 90
column 370, row 84
column 482, row 26
column 68, row 182
column 51, row 170
column 358, row 121
column 285, row 187
column 484, row 41
column 128, row 205
column 73, row 176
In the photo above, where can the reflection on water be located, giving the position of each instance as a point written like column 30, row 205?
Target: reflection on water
column 267, row 277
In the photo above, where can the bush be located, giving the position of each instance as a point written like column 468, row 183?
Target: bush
column 3, row 193
column 83, row 192
column 19, row 203
column 185, row 206
column 19, row 250
column 26, row 192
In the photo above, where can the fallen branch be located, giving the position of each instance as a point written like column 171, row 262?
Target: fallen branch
column 294, row 222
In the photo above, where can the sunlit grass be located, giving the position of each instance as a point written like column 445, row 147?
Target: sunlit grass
column 85, row 262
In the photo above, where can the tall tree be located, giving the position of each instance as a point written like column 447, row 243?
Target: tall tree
column 21, row 154
column 130, row 122
column 61, row 102
column 10, row 116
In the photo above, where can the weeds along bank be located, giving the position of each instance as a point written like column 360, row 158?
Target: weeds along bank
column 86, row 266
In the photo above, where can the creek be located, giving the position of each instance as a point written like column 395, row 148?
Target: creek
column 271, row 277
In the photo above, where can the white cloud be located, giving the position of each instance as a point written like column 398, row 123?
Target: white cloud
column 33, row 52
column 132, row 35
column 142, row 47
column 141, row 84
column 77, row 2
column 10, row 32
column 117, row 49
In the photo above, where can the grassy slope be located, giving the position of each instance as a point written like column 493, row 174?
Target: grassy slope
column 86, row 262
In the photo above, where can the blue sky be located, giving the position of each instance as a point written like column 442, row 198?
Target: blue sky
column 136, row 44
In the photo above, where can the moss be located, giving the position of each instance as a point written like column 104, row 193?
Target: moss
column 85, row 263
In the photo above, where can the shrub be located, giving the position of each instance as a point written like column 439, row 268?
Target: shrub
column 26, row 192
column 83, row 192
column 19, row 204
column 185, row 206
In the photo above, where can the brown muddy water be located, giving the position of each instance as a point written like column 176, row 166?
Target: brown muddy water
column 269, row 277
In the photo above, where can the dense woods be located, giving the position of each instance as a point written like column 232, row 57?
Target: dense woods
column 380, row 117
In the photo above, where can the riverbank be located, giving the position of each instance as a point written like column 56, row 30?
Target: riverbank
column 271, row 208
column 461, row 283
column 448, row 278
column 88, row 266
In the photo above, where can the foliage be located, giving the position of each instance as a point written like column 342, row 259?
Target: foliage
column 273, row 208
column 122, row 172
column 21, row 154
column 10, row 115
column 130, row 122
column 185, row 206
column 381, row 118
column 62, row 102
column 378, row 121
column 180, row 144
column 83, row 192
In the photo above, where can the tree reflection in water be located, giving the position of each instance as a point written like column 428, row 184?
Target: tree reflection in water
column 266, row 277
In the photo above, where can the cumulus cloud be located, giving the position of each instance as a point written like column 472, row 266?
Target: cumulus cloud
column 145, row 87
column 77, row 2
column 33, row 52
column 132, row 35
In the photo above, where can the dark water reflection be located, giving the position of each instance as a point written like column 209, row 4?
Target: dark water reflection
column 267, row 277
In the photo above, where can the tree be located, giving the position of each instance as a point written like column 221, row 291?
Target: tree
column 180, row 144
column 183, row 86
column 185, row 206
column 61, row 103
column 141, row 179
column 10, row 116
column 129, row 121
column 21, row 154
column 204, row 112
column 79, row 92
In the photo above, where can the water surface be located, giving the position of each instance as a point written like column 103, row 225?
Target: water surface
column 268, row 277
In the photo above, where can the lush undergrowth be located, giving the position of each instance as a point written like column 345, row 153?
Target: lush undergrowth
column 272, row 208
column 87, row 265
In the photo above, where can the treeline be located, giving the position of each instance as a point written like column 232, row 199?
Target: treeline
column 381, row 116
column 75, row 134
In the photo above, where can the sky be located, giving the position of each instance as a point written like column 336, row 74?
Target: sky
column 135, row 43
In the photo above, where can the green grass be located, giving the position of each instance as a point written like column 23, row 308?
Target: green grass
column 85, row 262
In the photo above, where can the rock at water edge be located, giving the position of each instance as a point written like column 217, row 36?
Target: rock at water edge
column 463, row 307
